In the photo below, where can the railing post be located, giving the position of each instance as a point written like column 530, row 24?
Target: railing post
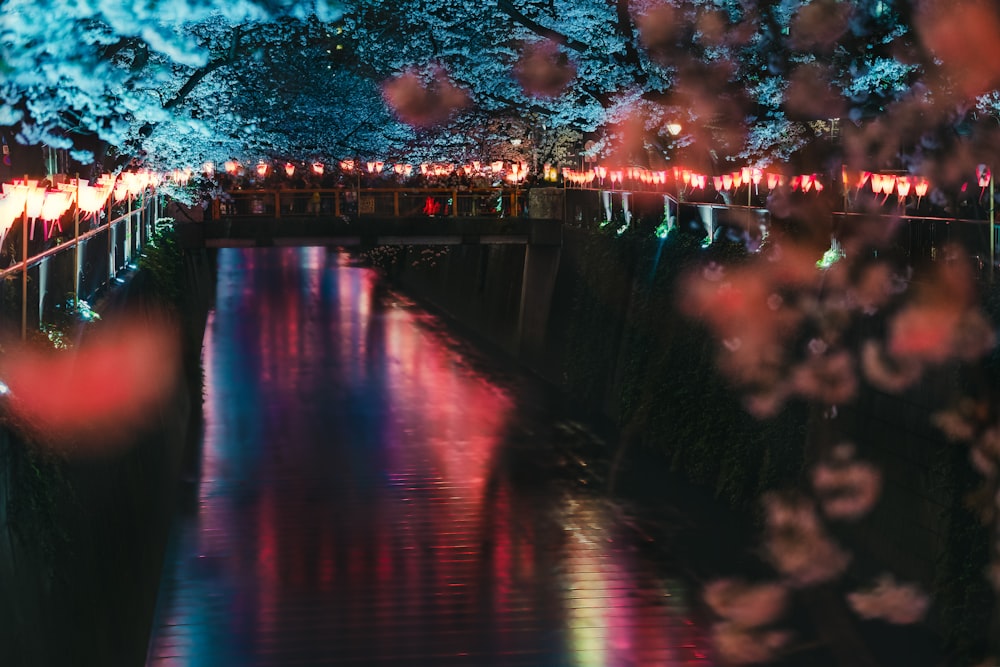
column 111, row 254
column 76, row 258
column 24, row 276
column 277, row 204
column 395, row 203
column 336, row 203
column 454, row 203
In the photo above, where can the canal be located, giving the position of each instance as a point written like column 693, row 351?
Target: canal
column 372, row 490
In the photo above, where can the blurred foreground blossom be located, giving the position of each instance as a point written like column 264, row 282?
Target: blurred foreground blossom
column 901, row 604
column 847, row 489
column 962, row 35
column 544, row 70
column 738, row 645
column 745, row 604
column 94, row 397
column 796, row 543
column 424, row 101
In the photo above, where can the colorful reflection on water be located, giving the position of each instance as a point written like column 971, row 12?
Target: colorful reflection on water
column 367, row 496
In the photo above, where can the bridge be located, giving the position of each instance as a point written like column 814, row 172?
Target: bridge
column 368, row 218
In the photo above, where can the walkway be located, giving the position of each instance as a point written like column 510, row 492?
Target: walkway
column 371, row 494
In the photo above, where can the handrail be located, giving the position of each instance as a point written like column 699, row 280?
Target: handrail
column 34, row 260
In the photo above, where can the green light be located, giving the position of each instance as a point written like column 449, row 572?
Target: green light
column 829, row 258
column 662, row 231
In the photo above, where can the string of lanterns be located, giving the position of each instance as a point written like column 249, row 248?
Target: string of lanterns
column 28, row 199
column 678, row 179
column 515, row 172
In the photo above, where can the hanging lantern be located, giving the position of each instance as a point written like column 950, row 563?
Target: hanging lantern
column 920, row 187
column 983, row 175
column 903, row 185
column 289, row 169
column 727, row 181
column 208, row 169
column 56, row 202
column 718, row 182
column 888, row 184
column 317, row 168
column 232, row 167
column 262, row 169
column 347, row 165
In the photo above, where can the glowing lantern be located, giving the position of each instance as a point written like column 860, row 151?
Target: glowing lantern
column 876, row 180
column 983, row 175
column 806, row 181
column 772, row 181
column 497, row 166
column 55, row 203
column 262, row 169
column 602, row 173
column 616, row 176
column 863, row 178
column 208, row 169
column 920, row 187
column 756, row 175
column 289, row 169
column 476, row 165
column 232, row 167
column 317, row 168
column 718, row 182
column 727, row 181
column 903, row 186
column 745, row 175
column 888, row 184
column 817, row 184
column 9, row 212
column 34, row 201
column 90, row 199
column 347, row 165
column 737, row 179
column 686, row 177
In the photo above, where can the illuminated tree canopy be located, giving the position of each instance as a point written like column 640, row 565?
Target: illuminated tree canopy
column 184, row 81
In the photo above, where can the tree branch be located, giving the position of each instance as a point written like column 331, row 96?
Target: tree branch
column 208, row 68
column 508, row 8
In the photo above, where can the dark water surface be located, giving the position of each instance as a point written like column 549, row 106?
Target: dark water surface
column 371, row 491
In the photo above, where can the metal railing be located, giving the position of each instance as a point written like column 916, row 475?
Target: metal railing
column 92, row 255
column 381, row 202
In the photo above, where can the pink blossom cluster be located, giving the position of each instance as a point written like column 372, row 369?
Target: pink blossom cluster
column 901, row 604
column 745, row 635
column 759, row 311
column 796, row 543
column 847, row 489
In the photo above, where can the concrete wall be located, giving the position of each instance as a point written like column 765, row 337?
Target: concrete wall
column 82, row 539
column 528, row 303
